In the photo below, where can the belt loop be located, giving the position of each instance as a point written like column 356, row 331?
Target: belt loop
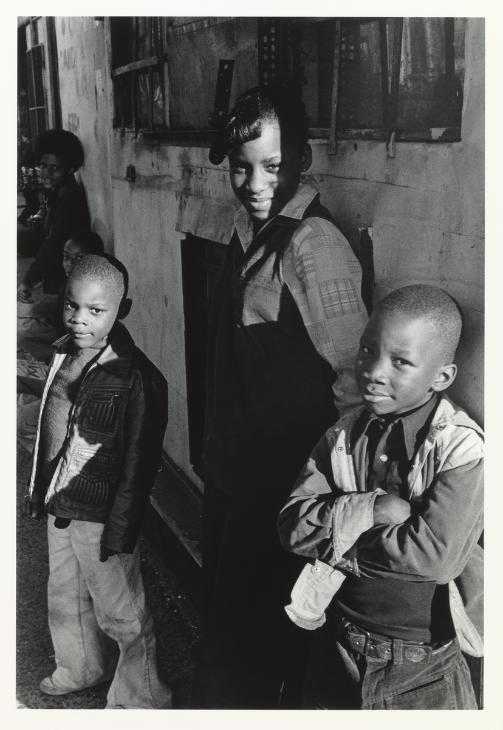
column 397, row 650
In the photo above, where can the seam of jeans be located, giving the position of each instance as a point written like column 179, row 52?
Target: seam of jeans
column 80, row 580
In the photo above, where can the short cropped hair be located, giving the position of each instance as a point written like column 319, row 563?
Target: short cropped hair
column 104, row 268
column 430, row 303
column 280, row 103
column 88, row 241
column 61, row 143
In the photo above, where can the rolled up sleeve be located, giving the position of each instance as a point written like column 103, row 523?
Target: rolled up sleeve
column 319, row 520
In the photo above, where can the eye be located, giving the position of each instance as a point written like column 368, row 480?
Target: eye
column 95, row 310
column 401, row 362
column 273, row 167
column 67, row 306
column 237, row 170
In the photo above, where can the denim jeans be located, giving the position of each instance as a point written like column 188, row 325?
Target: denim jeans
column 87, row 598
column 338, row 677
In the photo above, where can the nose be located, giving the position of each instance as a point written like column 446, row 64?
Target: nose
column 256, row 182
column 374, row 370
column 77, row 317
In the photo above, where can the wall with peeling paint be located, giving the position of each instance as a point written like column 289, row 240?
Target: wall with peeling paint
column 85, row 90
column 425, row 207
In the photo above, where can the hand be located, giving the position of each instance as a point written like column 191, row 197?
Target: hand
column 390, row 510
column 24, row 294
column 105, row 553
column 345, row 389
column 32, row 508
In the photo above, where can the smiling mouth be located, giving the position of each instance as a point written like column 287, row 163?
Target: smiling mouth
column 258, row 203
column 373, row 396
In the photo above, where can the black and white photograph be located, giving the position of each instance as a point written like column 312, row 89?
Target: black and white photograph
column 250, row 363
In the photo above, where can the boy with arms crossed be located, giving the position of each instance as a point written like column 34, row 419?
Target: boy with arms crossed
column 392, row 496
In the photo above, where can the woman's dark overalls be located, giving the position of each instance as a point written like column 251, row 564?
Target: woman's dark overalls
column 269, row 400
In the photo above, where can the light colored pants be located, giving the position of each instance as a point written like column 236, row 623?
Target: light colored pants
column 86, row 597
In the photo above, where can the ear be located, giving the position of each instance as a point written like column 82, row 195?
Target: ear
column 124, row 308
column 306, row 158
column 445, row 376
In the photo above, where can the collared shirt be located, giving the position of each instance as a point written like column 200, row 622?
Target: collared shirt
column 329, row 516
column 319, row 268
column 388, row 444
column 385, row 447
column 294, row 209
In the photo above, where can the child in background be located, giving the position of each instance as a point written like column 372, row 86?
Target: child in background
column 78, row 245
column 97, row 451
column 59, row 154
column 392, row 496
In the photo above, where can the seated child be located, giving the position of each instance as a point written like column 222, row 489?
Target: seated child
column 59, row 154
column 97, row 450
column 392, row 497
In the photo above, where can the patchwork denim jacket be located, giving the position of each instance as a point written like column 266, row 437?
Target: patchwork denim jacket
column 330, row 509
column 113, row 442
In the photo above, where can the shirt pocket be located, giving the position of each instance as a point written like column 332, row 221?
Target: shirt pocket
column 101, row 408
column 90, row 490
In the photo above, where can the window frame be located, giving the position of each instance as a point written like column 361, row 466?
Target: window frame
column 154, row 62
column 203, row 137
column 390, row 92
column 280, row 59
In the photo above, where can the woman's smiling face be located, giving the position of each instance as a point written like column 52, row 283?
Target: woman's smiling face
column 265, row 172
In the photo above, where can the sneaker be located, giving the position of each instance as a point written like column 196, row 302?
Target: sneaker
column 49, row 687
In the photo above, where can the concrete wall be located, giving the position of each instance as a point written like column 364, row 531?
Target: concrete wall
column 425, row 207
column 86, row 96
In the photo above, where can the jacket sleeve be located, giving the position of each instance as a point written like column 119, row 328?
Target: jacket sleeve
column 324, row 277
column 320, row 520
column 436, row 541
column 145, row 424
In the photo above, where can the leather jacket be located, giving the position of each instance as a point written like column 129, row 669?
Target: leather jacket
column 113, row 442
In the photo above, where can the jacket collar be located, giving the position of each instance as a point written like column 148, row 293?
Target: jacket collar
column 411, row 424
column 116, row 356
column 447, row 413
column 293, row 211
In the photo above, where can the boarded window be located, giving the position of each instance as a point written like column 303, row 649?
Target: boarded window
column 366, row 77
column 194, row 50
column 401, row 74
column 360, row 77
column 138, row 73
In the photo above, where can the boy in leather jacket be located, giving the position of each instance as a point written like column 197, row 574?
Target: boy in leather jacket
column 97, row 449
